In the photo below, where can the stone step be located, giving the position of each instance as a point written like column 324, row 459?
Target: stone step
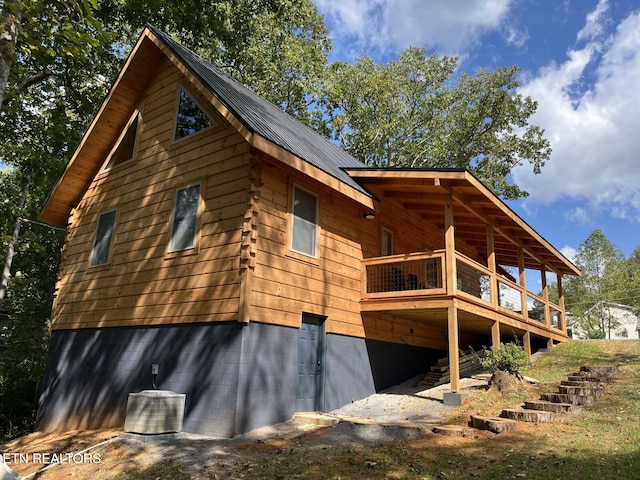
column 534, row 416
column 569, row 398
column 546, row 406
column 588, row 391
column 493, row 424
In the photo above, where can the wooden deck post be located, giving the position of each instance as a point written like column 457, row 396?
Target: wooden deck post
column 495, row 334
column 526, row 339
column 454, row 361
column 450, row 246
column 523, row 285
column 491, row 263
column 545, row 296
column 563, row 318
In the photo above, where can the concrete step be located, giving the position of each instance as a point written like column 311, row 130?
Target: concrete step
column 546, row 406
column 586, row 391
column 493, row 424
column 569, row 398
column 533, row 416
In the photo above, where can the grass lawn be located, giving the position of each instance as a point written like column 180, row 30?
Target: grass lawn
column 600, row 441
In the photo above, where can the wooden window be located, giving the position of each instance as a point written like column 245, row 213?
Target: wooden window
column 386, row 242
column 104, row 234
column 304, row 234
column 126, row 144
column 191, row 118
column 185, row 218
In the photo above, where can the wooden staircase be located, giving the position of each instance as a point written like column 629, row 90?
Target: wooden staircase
column 582, row 388
column 439, row 374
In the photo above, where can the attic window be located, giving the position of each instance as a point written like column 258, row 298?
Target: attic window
column 126, row 144
column 191, row 118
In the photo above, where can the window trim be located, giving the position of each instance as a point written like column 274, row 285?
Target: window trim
column 213, row 122
column 316, row 243
column 136, row 114
column 383, row 231
column 199, row 213
column 111, row 241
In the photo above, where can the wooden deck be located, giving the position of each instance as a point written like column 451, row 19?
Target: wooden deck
column 480, row 300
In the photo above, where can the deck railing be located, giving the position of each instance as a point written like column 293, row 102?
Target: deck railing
column 398, row 275
column 424, row 274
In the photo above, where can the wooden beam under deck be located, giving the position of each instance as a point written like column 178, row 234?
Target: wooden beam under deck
column 473, row 317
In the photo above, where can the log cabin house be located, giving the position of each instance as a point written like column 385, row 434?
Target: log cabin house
column 261, row 268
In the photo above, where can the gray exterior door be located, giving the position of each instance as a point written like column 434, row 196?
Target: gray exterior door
column 310, row 383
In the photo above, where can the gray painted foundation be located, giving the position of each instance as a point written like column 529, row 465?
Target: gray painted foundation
column 236, row 378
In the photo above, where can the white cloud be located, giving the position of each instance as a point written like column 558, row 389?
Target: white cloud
column 392, row 25
column 569, row 252
column 593, row 27
column 578, row 215
column 593, row 132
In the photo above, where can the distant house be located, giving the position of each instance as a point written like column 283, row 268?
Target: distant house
column 619, row 321
column 264, row 270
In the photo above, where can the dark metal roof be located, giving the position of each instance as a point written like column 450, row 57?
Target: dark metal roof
column 264, row 118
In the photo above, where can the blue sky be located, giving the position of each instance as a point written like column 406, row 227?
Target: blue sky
column 580, row 60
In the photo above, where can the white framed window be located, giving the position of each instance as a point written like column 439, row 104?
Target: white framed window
column 125, row 146
column 304, row 231
column 184, row 226
column 386, row 242
column 191, row 118
column 101, row 251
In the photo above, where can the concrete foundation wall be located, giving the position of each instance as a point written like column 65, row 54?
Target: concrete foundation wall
column 236, row 378
column 90, row 373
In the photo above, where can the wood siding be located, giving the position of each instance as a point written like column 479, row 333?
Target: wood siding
column 143, row 284
column 286, row 284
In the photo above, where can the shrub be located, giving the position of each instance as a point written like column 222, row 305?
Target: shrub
column 507, row 357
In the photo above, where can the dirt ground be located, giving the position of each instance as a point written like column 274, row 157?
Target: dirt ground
column 406, row 412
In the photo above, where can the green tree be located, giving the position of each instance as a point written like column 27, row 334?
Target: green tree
column 603, row 281
column 414, row 112
column 45, row 42
column 59, row 57
column 277, row 48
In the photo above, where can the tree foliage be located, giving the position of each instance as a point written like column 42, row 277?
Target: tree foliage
column 413, row 112
column 47, row 44
column 278, row 48
column 604, row 280
column 507, row 357
column 57, row 59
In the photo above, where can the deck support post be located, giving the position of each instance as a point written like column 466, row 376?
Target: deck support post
column 450, row 246
column 562, row 319
column 523, row 285
column 526, row 339
column 545, row 296
column 491, row 263
column 454, row 361
column 495, row 334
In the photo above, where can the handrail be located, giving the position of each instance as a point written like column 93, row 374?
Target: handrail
column 405, row 262
column 403, row 257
